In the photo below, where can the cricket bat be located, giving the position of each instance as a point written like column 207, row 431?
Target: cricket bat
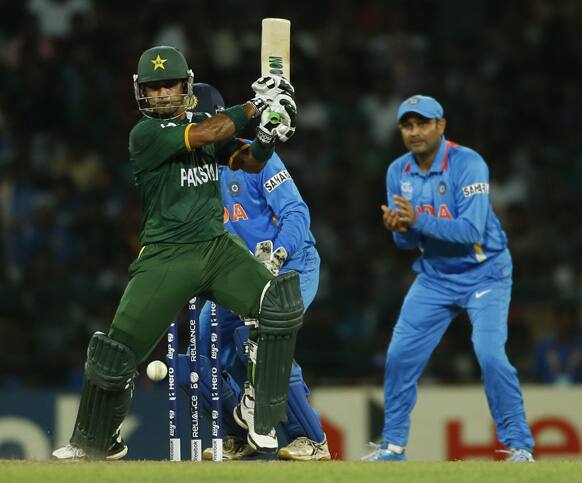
column 276, row 51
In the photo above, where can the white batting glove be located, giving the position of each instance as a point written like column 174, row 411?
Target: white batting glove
column 269, row 87
column 272, row 260
column 260, row 103
column 286, row 109
column 266, row 130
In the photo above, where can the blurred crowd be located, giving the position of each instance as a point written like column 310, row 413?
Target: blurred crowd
column 507, row 73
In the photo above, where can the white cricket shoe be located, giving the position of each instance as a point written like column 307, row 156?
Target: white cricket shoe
column 244, row 415
column 305, row 449
column 69, row 452
column 518, row 455
column 117, row 450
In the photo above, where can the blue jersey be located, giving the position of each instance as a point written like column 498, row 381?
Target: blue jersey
column 267, row 206
column 456, row 228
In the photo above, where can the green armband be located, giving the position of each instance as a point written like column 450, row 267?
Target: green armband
column 262, row 152
column 238, row 116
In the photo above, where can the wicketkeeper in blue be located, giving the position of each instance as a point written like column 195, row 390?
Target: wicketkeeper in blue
column 438, row 202
column 268, row 213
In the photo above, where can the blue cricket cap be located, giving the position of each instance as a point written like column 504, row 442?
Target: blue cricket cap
column 209, row 98
column 423, row 105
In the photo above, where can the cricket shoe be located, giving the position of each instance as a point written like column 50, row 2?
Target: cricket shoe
column 382, row 453
column 233, row 448
column 117, row 450
column 244, row 415
column 518, row 455
column 304, row 449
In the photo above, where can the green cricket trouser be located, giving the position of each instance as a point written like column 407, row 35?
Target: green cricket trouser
column 165, row 276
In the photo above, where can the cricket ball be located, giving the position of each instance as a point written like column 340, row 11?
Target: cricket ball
column 156, row 370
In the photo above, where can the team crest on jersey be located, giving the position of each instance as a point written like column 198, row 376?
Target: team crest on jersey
column 442, row 189
column 406, row 190
column 234, row 188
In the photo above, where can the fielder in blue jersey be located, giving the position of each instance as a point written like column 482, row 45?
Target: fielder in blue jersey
column 268, row 213
column 438, row 202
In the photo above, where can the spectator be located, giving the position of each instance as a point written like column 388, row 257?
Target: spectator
column 558, row 357
column 70, row 219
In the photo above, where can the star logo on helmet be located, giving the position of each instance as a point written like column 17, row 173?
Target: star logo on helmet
column 159, row 62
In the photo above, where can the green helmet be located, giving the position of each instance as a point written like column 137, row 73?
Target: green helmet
column 162, row 63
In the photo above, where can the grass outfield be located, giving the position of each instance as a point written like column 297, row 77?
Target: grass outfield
column 281, row 472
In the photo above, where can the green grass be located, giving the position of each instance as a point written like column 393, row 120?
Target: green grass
column 282, row 472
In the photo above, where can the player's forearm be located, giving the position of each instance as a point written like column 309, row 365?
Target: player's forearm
column 220, row 127
column 247, row 162
column 253, row 160
column 459, row 230
column 293, row 229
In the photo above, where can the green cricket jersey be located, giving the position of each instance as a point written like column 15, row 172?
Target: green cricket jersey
column 178, row 186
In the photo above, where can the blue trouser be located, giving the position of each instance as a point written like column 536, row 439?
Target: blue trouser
column 303, row 420
column 428, row 309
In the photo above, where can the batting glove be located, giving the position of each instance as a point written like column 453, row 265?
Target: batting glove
column 266, row 130
column 270, row 87
column 286, row 109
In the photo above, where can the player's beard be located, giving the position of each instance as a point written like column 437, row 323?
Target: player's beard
column 174, row 107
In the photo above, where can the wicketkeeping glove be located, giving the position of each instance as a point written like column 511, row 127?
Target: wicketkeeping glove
column 273, row 260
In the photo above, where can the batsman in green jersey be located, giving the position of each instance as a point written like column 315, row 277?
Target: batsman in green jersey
column 186, row 251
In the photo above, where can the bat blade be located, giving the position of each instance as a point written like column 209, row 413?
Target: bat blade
column 276, row 47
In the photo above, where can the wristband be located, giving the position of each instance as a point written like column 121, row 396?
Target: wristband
column 264, row 137
column 238, row 116
column 262, row 152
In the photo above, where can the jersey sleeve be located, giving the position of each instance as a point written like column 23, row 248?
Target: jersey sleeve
column 225, row 151
column 153, row 142
column 284, row 199
column 472, row 200
column 408, row 240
